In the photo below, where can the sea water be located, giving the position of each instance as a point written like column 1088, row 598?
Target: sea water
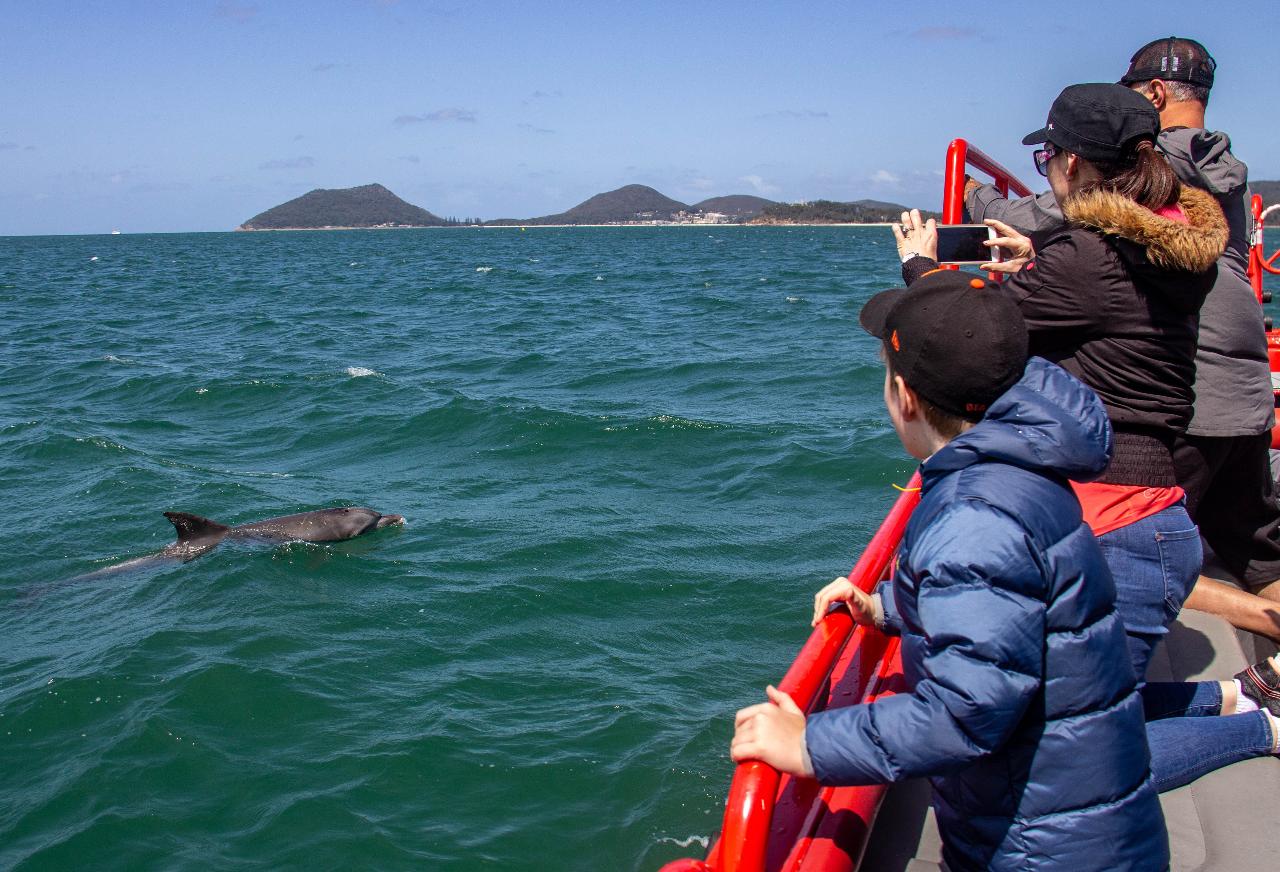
column 628, row 457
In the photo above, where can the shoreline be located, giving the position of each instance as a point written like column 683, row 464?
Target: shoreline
column 528, row 226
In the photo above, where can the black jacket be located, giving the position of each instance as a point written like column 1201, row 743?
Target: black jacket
column 1114, row 298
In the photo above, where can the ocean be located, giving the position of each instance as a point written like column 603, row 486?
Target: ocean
column 627, row 457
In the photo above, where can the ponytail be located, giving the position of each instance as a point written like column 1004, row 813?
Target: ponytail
column 1143, row 175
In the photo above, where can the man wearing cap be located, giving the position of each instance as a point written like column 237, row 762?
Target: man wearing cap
column 1013, row 654
column 1222, row 461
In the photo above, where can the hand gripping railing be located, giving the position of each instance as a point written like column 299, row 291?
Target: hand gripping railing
column 744, row 837
column 1259, row 263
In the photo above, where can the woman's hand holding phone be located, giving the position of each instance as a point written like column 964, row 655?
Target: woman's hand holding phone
column 915, row 236
column 1015, row 249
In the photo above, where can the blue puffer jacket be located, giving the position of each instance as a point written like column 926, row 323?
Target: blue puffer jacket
column 1021, row 707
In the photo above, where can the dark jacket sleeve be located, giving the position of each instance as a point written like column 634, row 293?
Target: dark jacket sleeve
column 1028, row 214
column 916, row 267
column 984, row 637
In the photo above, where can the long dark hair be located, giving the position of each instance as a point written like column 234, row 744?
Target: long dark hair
column 1142, row 175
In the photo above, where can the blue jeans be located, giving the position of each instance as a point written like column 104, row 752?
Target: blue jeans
column 1188, row 739
column 1155, row 562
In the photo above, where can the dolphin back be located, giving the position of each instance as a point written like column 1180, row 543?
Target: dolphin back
column 193, row 528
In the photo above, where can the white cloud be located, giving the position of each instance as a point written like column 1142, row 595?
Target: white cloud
column 796, row 113
column 884, row 177
column 292, row 163
column 759, row 184
column 541, row 95
column 451, row 114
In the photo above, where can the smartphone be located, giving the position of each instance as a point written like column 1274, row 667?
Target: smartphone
column 962, row 244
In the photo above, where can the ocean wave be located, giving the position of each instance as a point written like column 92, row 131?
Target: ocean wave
column 248, row 473
column 360, row 371
column 663, row 422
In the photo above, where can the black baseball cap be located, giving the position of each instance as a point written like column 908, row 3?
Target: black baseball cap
column 1172, row 59
column 957, row 340
column 1098, row 121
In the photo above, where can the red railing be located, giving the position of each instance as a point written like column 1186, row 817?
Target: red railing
column 858, row 663
column 1259, row 263
column 960, row 155
column 1259, row 266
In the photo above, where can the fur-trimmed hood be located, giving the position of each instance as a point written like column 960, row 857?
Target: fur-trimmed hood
column 1192, row 247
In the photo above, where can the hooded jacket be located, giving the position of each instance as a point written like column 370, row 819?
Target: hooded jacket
column 1021, row 705
column 1232, row 376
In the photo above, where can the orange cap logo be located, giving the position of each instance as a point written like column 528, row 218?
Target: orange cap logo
column 893, row 340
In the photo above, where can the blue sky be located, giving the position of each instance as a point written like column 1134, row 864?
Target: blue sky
column 178, row 116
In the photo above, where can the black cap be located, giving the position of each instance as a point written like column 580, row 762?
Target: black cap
column 1172, row 59
column 1099, row 121
column 958, row 341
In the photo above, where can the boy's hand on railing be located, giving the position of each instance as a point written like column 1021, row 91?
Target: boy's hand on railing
column 773, row 733
column 864, row 607
column 1015, row 247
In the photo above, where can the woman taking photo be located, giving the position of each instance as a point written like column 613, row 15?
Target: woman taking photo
column 1114, row 297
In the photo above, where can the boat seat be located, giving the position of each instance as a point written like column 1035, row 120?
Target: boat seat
column 1225, row 820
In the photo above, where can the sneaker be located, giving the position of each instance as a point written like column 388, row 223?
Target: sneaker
column 1261, row 683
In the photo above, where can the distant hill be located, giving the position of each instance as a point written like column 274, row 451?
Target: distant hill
column 735, row 205
column 831, row 212
column 365, row 206
column 626, row 204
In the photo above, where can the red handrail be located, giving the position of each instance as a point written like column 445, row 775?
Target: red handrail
column 960, row 154
column 1259, row 263
column 744, row 836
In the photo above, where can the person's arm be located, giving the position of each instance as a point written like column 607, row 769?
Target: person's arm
column 1027, row 214
column 982, row 665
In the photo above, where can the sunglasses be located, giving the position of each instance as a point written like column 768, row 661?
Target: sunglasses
column 1042, row 156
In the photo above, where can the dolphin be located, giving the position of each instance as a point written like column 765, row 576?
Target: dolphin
column 198, row 536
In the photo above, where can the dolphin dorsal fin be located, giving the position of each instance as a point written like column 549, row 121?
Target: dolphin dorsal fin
column 192, row 527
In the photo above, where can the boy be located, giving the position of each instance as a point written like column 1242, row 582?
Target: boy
column 1021, row 705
